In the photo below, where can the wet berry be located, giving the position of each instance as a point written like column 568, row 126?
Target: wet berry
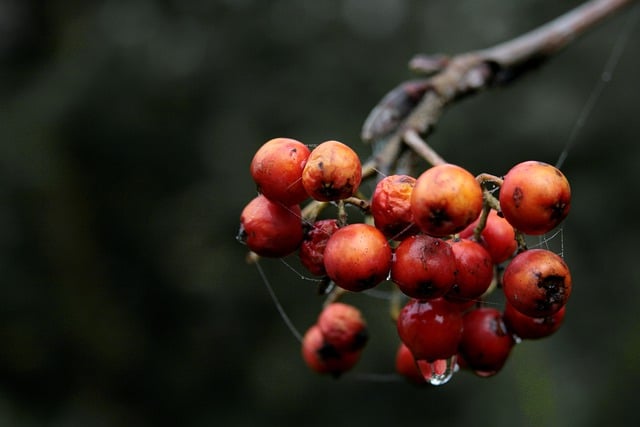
column 424, row 267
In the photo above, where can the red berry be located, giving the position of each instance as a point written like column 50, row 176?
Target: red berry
column 323, row 357
column 333, row 172
column 406, row 365
column 424, row 267
column 391, row 206
column 474, row 270
column 314, row 244
column 498, row 237
column 537, row 282
column 527, row 327
column 343, row 327
column 445, row 199
column 277, row 170
column 357, row 257
column 430, row 329
column 535, row 197
column 270, row 229
column 486, row 342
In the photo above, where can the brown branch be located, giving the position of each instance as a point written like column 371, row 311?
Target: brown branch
column 414, row 107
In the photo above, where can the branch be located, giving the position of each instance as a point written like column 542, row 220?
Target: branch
column 414, row 107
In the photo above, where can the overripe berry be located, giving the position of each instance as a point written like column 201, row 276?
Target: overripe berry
column 314, row 243
column 424, row 267
column 343, row 327
column 486, row 342
column 535, row 197
column 537, row 282
column 431, row 329
column 445, row 199
column 333, row 172
column 357, row 257
column 270, row 229
column 391, row 206
column 277, row 168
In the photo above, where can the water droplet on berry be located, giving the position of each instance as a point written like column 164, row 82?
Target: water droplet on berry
column 438, row 372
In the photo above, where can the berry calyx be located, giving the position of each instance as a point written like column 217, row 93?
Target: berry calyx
column 535, row 197
column 270, row 229
column 277, row 168
column 357, row 257
column 537, row 282
column 445, row 199
column 333, row 172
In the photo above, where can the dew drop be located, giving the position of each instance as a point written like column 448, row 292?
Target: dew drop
column 438, row 372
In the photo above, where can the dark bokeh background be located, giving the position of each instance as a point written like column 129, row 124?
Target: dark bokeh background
column 126, row 131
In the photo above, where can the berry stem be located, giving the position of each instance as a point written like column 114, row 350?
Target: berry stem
column 420, row 146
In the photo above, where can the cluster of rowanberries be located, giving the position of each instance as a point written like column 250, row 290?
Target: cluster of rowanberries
column 446, row 240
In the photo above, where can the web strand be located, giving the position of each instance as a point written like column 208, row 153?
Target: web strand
column 605, row 77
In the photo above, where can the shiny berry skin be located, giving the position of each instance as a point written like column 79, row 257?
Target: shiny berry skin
column 333, row 172
column 270, row 229
column 486, row 343
column 537, row 282
column 474, row 270
column 357, row 257
column 535, row 197
column 498, row 237
column 322, row 357
column 343, row 327
column 391, row 206
column 277, row 168
column 424, row 267
column 313, row 245
column 406, row 366
column 431, row 329
column 531, row 328
column 445, row 199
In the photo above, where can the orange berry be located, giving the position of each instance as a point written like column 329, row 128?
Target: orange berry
column 333, row 172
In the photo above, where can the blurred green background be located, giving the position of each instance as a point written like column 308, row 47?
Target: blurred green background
column 126, row 132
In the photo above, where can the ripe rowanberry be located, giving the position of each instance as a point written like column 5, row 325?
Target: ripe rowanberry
column 486, row 343
column 445, row 199
column 314, row 243
column 391, row 206
column 474, row 270
column 535, row 197
column 537, row 282
column 270, row 229
column 277, row 168
column 343, row 327
column 530, row 328
column 498, row 237
column 324, row 358
column 424, row 267
column 357, row 257
column 333, row 172
column 431, row 329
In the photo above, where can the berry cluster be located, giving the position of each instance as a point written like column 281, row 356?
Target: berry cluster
column 445, row 240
